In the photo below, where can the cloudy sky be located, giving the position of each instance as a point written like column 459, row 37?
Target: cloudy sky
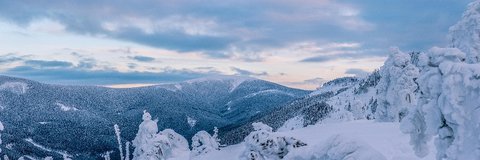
column 298, row 43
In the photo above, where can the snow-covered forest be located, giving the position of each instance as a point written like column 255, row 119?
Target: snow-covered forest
column 418, row 105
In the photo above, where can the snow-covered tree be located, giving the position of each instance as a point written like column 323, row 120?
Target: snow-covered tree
column 106, row 155
column 119, row 140
column 396, row 87
column 203, row 142
column 448, row 107
column 48, row 158
column 465, row 34
column 66, row 157
column 143, row 141
column 215, row 135
column 127, row 150
column 153, row 145
column 263, row 143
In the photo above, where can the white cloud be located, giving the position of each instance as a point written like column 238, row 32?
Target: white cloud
column 46, row 25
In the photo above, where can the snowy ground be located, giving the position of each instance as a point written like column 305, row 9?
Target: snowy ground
column 385, row 138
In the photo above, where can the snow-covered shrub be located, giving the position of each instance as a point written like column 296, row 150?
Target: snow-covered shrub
column 338, row 148
column 153, row 145
column 263, row 144
column 396, row 87
column 448, row 107
column 203, row 143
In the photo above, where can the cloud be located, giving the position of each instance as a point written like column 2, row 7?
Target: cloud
column 314, row 81
column 357, row 72
column 48, row 64
column 214, row 28
column 345, row 54
column 178, row 41
column 142, row 58
column 102, row 77
column 242, row 72
column 10, row 58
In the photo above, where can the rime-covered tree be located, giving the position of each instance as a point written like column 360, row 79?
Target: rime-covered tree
column 465, row 34
column 396, row 87
column 448, row 107
column 264, row 144
column 153, row 145
column 202, row 143
column 119, row 141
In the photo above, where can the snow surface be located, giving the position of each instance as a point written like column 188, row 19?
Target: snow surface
column 63, row 153
column 291, row 124
column 374, row 137
column 14, row 87
column 65, row 108
column 335, row 85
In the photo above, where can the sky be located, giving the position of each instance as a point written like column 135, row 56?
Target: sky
column 297, row 43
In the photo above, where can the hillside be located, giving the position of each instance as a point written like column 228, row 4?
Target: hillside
column 50, row 115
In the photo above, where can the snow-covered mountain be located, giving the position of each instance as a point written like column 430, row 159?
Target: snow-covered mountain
column 78, row 120
column 393, row 113
column 426, row 95
column 333, row 101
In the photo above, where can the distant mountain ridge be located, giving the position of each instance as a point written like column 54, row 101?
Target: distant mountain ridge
column 79, row 120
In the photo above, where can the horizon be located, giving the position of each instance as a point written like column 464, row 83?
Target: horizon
column 296, row 44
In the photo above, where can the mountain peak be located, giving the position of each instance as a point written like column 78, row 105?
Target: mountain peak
column 220, row 78
column 235, row 81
